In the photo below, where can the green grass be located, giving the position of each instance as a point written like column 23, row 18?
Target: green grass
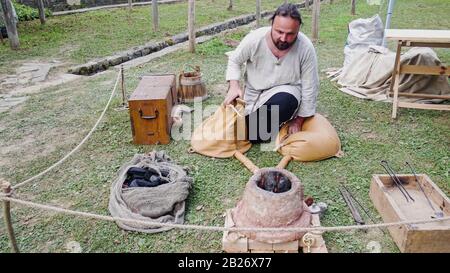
column 38, row 133
column 78, row 38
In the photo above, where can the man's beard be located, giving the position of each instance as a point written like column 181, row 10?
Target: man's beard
column 282, row 45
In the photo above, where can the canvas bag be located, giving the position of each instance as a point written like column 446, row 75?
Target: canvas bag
column 223, row 133
column 317, row 140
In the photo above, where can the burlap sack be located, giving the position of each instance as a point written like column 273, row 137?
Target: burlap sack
column 318, row 140
column 222, row 134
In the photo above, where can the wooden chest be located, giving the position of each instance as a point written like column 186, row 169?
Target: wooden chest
column 150, row 108
column 393, row 207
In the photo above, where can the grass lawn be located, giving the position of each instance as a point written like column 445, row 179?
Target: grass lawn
column 78, row 38
column 51, row 123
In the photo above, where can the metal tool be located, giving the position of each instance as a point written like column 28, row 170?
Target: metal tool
column 437, row 214
column 361, row 206
column 353, row 209
column 396, row 180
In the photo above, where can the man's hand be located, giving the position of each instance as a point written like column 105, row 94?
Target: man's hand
column 295, row 125
column 233, row 92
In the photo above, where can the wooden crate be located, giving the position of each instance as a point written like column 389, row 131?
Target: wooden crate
column 150, row 108
column 233, row 242
column 393, row 207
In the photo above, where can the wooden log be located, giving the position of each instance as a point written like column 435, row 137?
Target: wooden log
column 41, row 9
column 258, row 13
column 6, row 188
column 315, row 21
column 191, row 25
column 155, row 15
column 10, row 23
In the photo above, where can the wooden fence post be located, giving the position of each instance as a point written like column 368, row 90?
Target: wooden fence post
column 353, row 7
column 191, row 25
column 258, row 13
column 155, row 15
column 41, row 11
column 307, row 4
column 315, row 21
column 130, row 4
column 230, row 5
column 10, row 22
column 6, row 188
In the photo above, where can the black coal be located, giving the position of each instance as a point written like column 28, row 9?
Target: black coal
column 274, row 182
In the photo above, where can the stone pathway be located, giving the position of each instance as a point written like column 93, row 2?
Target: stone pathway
column 8, row 101
column 28, row 73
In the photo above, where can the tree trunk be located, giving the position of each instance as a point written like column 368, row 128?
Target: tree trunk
column 191, row 25
column 155, row 15
column 315, row 21
column 10, row 23
column 41, row 11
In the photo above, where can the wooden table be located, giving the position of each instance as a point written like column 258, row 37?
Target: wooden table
column 417, row 38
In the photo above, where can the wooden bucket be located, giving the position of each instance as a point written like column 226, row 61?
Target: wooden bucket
column 191, row 86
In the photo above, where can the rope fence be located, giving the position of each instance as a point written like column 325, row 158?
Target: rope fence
column 217, row 228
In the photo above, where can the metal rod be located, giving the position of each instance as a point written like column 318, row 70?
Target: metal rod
column 6, row 187
column 387, row 25
column 361, row 206
column 354, row 211
column 420, row 186
column 394, row 178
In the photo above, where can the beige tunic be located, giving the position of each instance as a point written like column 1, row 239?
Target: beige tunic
column 265, row 75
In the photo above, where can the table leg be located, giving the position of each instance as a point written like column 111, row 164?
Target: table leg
column 396, row 80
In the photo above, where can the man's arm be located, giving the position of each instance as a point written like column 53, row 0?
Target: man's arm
column 235, row 62
column 310, row 90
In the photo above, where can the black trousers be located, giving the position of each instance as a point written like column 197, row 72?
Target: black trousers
column 260, row 127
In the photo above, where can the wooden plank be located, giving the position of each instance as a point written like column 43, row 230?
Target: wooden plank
column 435, row 193
column 424, row 106
column 396, row 63
column 420, row 95
column 424, row 241
column 425, row 70
column 419, row 35
column 425, row 44
column 388, row 210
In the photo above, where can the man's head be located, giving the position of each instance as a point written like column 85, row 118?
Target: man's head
column 286, row 22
